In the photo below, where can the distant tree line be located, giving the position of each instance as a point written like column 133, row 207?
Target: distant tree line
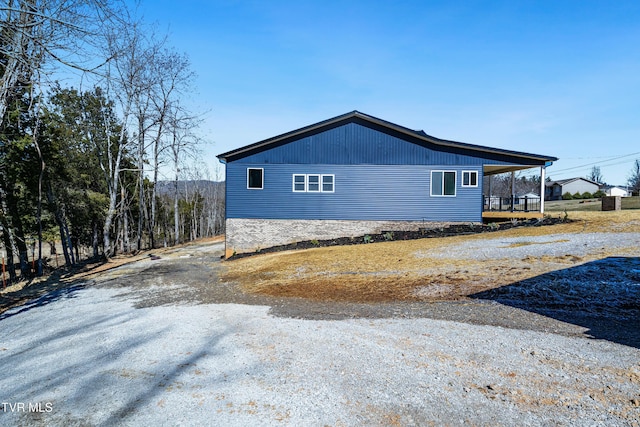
column 81, row 165
column 501, row 185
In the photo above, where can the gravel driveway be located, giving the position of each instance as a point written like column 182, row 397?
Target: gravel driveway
column 161, row 342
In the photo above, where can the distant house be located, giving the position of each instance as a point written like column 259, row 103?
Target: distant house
column 555, row 189
column 532, row 196
column 353, row 175
column 532, row 199
column 613, row 190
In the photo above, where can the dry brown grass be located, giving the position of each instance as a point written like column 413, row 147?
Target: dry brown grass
column 391, row 271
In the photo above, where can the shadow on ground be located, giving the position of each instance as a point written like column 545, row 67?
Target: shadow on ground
column 134, row 370
column 602, row 296
column 49, row 295
column 61, row 283
column 38, row 294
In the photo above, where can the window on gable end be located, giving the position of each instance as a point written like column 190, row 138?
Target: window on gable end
column 255, row 178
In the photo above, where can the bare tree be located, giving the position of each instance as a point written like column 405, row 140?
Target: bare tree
column 595, row 175
column 217, row 204
column 124, row 80
column 150, row 114
column 37, row 33
column 213, row 212
column 174, row 76
column 634, row 177
column 183, row 145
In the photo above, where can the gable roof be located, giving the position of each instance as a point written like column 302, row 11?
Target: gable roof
column 367, row 120
column 562, row 182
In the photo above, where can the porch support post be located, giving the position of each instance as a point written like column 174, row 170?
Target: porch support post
column 542, row 187
column 513, row 190
column 490, row 208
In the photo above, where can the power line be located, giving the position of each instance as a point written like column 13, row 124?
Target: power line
column 599, row 163
column 604, row 166
column 596, row 157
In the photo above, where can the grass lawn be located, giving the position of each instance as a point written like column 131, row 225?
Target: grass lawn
column 402, row 270
column 587, row 204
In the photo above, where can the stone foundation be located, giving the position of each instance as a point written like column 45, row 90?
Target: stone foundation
column 251, row 235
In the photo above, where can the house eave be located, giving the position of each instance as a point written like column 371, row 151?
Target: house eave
column 352, row 116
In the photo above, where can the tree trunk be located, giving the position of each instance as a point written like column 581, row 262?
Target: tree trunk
column 9, row 245
column 39, row 210
column 156, row 166
column 58, row 214
column 113, row 184
column 68, row 241
column 94, row 242
column 17, row 232
column 14, row 68
column 141, row 202
column 76, row 246
column 176, row 213
column 106, row 229
column 125, row 221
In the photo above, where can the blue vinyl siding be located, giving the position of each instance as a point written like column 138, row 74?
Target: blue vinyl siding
column 355, row 144
column 361, row 192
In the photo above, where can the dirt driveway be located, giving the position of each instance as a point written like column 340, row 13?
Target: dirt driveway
column 163, row 342
column 573, row 299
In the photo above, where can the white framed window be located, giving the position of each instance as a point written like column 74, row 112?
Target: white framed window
column 443, row 183
column 328, row 183
column 469, row 178
column 299, row 183
column 255, row 178
column 313, row 183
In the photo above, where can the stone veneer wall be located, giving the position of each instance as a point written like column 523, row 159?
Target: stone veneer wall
column 249, row 235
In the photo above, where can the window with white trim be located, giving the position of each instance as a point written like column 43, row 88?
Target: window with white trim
column 255, row 178
column 299, row 183
column 443, row 183
column 327, row 183
column 313, row 183
column 469, row 178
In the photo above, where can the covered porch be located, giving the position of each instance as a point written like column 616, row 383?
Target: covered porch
column 525, row 206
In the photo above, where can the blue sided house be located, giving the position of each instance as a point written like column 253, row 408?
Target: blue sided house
column 356, row 174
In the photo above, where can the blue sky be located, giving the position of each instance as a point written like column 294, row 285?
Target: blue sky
column 560, row 78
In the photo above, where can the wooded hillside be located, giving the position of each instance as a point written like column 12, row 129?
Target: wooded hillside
column 81, row 164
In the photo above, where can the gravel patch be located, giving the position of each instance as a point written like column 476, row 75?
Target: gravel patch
column 104, row 362
column 535, row 246
column 162, row 342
